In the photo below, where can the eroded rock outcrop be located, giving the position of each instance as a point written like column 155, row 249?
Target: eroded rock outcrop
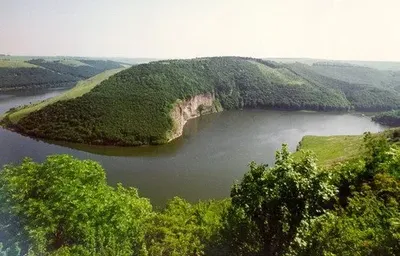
column 196, row 106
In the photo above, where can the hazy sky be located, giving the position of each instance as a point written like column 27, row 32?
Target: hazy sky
column 332, row 29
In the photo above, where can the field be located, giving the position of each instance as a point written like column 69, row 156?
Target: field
column 5, row 63
column 279, row 75
column 330, row 150
column 81, row 88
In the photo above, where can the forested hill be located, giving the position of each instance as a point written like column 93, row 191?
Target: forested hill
column 365, row 88
column 41, row 73
column 134, row 106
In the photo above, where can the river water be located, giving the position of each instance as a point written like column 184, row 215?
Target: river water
column 202, row 164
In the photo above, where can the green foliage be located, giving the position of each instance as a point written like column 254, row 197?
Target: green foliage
column 279, row 199
column 390, row 118
column 65, row 202
column 367, row 226
column 366, row 218
column 185, row 229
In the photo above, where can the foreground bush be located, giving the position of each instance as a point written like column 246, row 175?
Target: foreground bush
column 65, row 204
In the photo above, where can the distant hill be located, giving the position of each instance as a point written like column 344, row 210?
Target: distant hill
column 380, row 65
column 77, row 68
column 149, row 103
column 357, row 74
column 367, row 89
column 20, row 73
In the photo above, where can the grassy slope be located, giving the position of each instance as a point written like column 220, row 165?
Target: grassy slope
column 81, row 88
column 20, row 63
column 15, row 64
column 332, row 149
column 280, row 75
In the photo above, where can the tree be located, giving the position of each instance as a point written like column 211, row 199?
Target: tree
column 366, row 220
column 185, row 229
column 278, row 200
column 368, row 225
column 65, row 204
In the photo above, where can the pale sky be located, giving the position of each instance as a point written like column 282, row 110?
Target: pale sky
column 328, row 29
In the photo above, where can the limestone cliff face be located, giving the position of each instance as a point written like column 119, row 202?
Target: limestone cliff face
column 184, row 110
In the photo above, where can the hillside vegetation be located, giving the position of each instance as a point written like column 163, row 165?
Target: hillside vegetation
column 353, row 74
column 134, row 106
column 64, row 206
column 371, row 95
column 82, row 87
column 15, row 64
column 39, row 73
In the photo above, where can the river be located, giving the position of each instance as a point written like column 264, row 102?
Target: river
column 202, row 164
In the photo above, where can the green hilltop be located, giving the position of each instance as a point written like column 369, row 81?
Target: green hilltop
column 134, row 106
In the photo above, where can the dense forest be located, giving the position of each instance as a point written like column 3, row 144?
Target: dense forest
column 64, row 206
column 133, row 107
column 22, row 78
column 40, row 73
column 390, row 118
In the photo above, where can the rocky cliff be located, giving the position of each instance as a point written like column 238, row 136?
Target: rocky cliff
column 196, row 106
